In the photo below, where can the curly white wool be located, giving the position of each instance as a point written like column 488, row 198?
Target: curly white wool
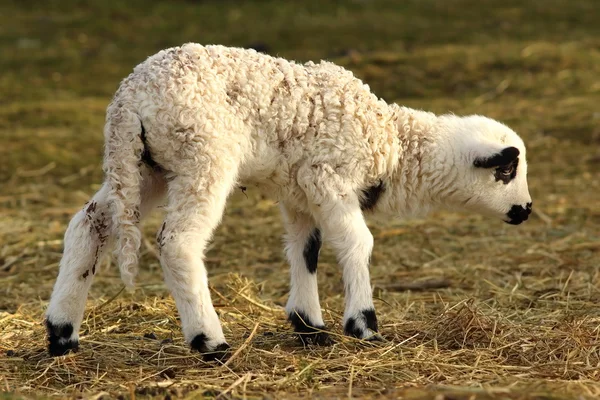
column 314, row 137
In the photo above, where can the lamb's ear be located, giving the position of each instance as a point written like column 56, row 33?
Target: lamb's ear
column 505, row 157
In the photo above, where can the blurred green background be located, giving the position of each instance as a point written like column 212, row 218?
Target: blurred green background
column 61, row 61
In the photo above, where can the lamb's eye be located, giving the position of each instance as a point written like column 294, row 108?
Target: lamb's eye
column 507, row 171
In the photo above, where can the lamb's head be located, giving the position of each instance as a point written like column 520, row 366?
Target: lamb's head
column 489, row 165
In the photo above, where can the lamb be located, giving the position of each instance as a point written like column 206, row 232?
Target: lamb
column 192, row 123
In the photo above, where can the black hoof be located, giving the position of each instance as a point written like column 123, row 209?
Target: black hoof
column 363, row 326
column 59, row 343
column 309, row 333
column 316, row 338
column 376, row 338
column 219, row 353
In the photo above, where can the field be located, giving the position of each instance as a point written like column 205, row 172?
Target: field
column 471, row 308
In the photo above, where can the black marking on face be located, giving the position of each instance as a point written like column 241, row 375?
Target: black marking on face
column 146, row 156
column 505, row 162
column 506, row 173
column 58, row 339
column 311, row 251
column 518, row 214
column 219, row 353
column 370, row 196
column 368, row 319
column 505, row 157
column 309, row 333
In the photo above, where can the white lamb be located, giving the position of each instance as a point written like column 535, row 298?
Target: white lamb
column 191, row 123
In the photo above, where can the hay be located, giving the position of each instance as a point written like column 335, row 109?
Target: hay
column 504, row 323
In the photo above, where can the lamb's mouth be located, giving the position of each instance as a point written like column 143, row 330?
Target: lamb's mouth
column 518, row 214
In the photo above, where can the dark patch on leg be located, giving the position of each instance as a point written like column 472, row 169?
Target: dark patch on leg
column 311, row 251
column 58, row 339
column 97, row 223
column 91, row 208
column 99, row 228
column 353, row 326
column 351, row 329
column 199, row 343
column 96, row 255
column 309, row 333
column 95, row 261
column 219, row 353
column 371, row 319
column 160, row 240
column 370, row 196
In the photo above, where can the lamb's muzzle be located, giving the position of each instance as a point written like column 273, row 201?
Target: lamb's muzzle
column 519, row 214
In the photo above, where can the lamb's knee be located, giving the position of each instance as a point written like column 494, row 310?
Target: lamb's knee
column 86, row 240
column 355, row 248
column 183, row 235
column 174, row 244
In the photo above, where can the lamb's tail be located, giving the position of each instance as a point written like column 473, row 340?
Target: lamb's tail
column 124, row 147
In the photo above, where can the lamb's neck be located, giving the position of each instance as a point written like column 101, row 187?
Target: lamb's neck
column 412, row 187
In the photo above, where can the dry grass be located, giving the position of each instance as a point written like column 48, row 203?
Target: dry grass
column 471, row 308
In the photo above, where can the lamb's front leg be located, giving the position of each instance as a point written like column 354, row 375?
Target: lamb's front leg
column 345, row 228
column 336, row 208
column 303, row 243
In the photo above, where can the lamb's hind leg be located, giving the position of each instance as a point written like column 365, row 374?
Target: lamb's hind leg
column 195, row 208
column 86, row 241
column 303, row 243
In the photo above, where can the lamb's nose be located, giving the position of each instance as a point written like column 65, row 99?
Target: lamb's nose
column 529, row 207
column 518, row 214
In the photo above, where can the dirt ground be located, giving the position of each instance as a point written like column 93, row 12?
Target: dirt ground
column 471, row 308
